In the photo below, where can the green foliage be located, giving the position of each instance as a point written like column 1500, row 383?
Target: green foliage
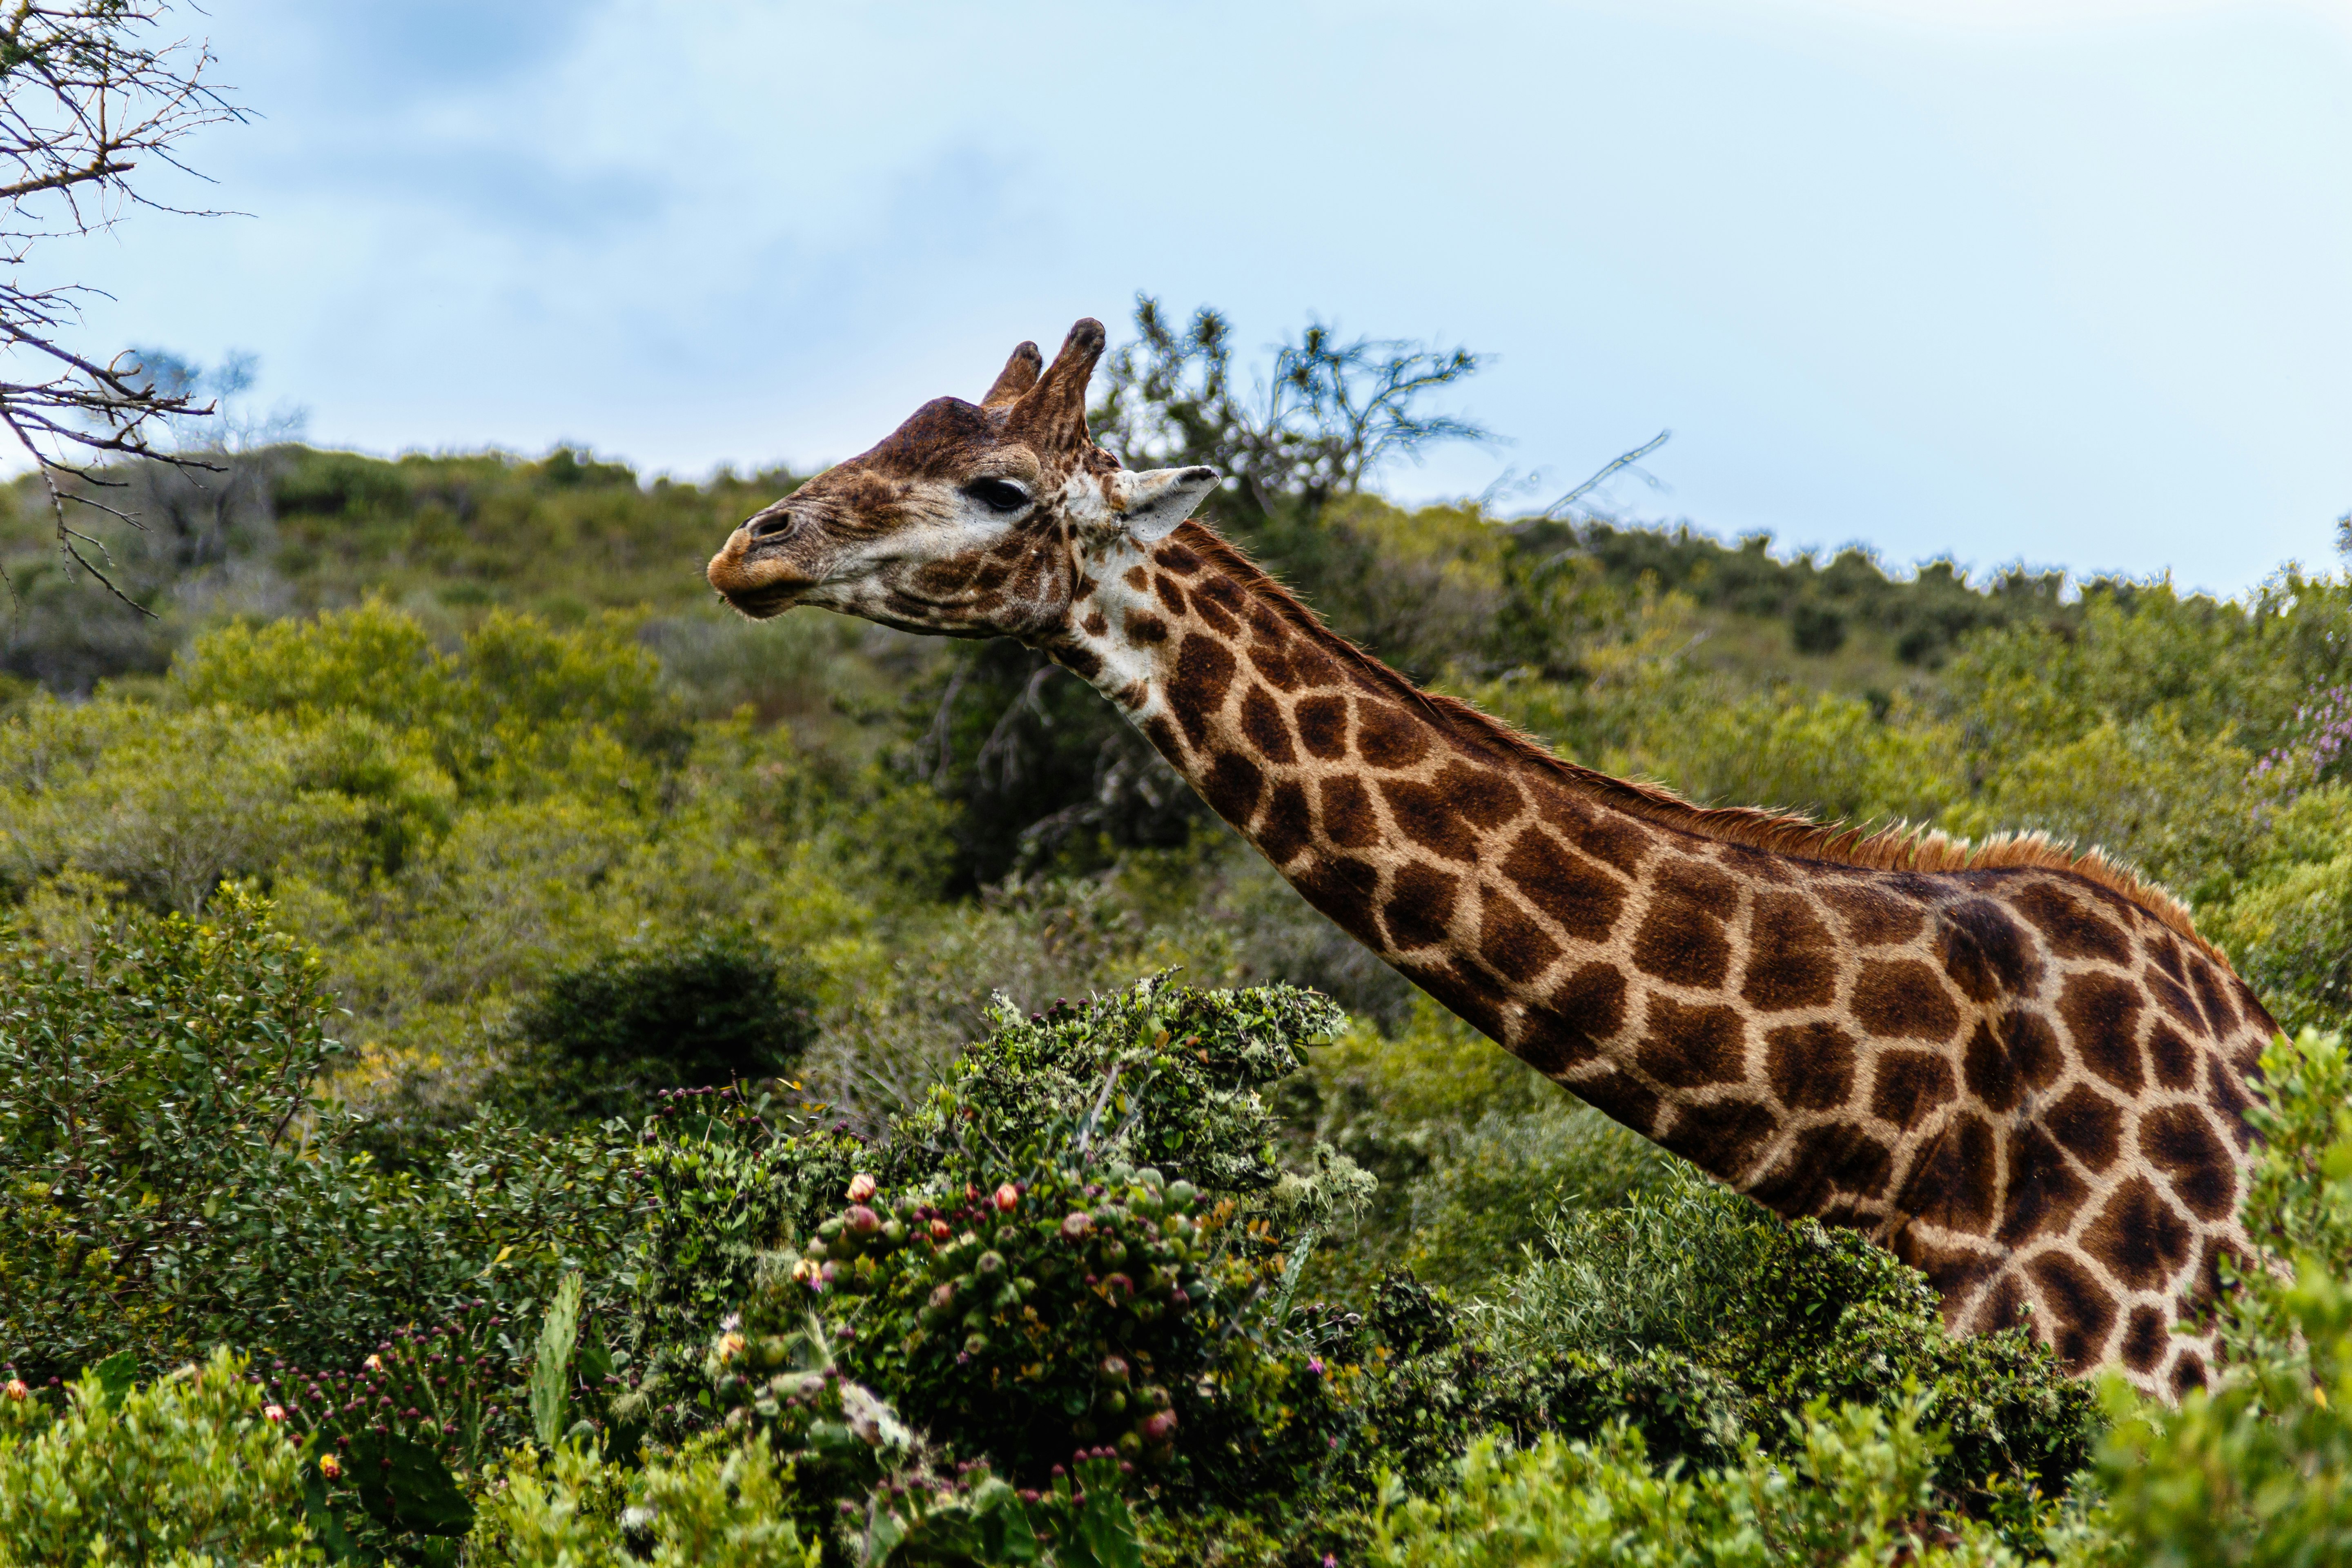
column 183, row 1470
column 724, row 1506
column 1042, row 1318
column 2289, row 924
column 174, row 1182
column 451, row 1391
column 550, row 1366
column 1009, row 1273
column 601, row 1039
column 151, row 1086
column 2259, row 1472
column 1850, row 1487
column 1161, row 1074
column 2259, row 1469
column 2298, row 1207
column 1743, row 1318
column 2181, row 807
column 1925, row 618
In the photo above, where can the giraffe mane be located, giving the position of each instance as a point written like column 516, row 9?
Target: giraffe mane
column 1899, row 847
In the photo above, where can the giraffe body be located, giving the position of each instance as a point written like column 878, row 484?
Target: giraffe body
column 2018, row 1068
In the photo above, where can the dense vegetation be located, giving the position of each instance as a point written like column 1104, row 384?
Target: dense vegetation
column 499, row 1061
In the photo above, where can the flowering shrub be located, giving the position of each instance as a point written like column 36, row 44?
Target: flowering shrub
column 1012, row 1281
column 1031, row 1319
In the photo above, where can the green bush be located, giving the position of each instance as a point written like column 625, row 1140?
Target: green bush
column 2258, row 1469
column 1012, row 1273
column 188, row 1470
column 175, row 1180
column 712, row 1507
column 601, row 1039
column 1742, row 1320
column 1850, row 1487
column 2289, row 925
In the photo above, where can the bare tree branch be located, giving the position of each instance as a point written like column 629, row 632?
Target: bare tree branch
column 88, row 91
column 1622, row 461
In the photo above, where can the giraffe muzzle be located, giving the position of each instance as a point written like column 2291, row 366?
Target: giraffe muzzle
column 751, row 573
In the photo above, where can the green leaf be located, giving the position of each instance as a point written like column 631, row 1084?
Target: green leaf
column 405, row 1485
column 1105, row 1535
column 326, row 1525
column 118, row 1374
column 551, row 1369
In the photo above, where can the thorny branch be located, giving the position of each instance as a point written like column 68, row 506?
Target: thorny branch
column 87, row 94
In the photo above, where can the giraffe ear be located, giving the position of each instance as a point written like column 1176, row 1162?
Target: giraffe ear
column 1019, row 374
column 1159, row 499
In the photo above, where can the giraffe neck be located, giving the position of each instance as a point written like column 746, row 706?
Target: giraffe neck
column 1514, row 895
column 2018, row 1068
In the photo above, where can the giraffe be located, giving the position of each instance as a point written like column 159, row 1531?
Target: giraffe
column 2017, row 1067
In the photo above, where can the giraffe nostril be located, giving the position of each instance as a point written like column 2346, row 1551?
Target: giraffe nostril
column 773, row 525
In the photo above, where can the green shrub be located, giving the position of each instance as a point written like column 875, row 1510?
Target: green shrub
column 2179, row 805
column 727, row 1183
column 1489, row 1197
column 1740, row 1321
column 188, row 1468
column 729, row 1501
column 2258, row 1470
column 1012, row 1273
column 1083, row 1308
column 1851, row 1486
column 176, row 1182
column 2288, row 921
column 601, row 1039
column 1473, row 1149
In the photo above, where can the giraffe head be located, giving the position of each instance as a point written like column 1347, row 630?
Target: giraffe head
column 971, row 519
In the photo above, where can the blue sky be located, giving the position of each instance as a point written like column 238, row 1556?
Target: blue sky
column 2068, row 282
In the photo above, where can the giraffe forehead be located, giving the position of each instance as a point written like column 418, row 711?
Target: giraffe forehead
column 945, row 438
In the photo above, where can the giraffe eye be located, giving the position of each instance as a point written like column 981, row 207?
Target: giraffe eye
column 997, row 495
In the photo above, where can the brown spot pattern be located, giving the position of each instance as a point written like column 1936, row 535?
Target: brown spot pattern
column 1792, row 961
column 1903, row 999
column 1809, row 1066
column 1685, row 1046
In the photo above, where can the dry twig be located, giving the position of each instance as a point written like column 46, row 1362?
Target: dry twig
column 88, row 94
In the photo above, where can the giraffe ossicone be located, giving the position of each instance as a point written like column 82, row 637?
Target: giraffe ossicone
column 2018, row 1068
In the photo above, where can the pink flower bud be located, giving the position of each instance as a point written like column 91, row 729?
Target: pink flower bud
column 941, row 1230
column 1160, row 1427
column 273, row 1414
column 861, row 1187
column 1008, row 1198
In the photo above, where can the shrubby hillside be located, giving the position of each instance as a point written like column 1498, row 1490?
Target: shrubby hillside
column 501, row 1062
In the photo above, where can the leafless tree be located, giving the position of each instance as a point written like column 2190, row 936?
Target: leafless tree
column 89, row 91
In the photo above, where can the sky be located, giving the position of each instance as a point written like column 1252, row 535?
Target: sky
column 2066, row 281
